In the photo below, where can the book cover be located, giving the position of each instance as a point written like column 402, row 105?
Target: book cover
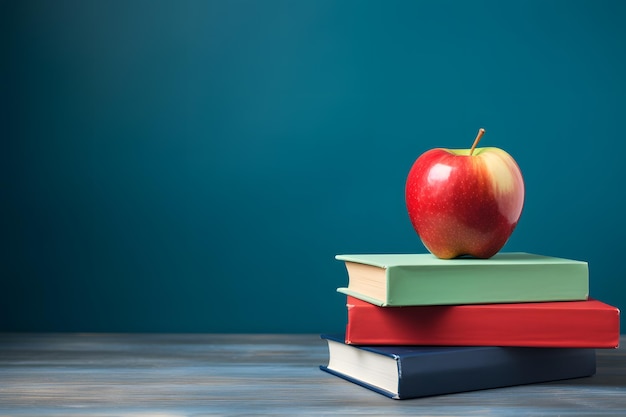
column 411, row 372
column 581, row 324
column 423, row 279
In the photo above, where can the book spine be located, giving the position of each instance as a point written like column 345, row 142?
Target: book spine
column 483, row 369
column 487, row 284
column 524, row 325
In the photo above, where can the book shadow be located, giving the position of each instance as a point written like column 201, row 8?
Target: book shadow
column 610, row 372
column 598, row 380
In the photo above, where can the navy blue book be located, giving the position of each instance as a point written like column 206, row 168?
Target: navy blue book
column 402, row 372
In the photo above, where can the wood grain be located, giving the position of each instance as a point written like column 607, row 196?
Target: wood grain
column 260, row 374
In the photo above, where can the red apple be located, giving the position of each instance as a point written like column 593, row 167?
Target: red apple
column 464, row 201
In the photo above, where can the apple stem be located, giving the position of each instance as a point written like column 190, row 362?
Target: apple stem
column 480, row 134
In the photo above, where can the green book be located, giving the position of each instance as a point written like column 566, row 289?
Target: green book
column 423, row 279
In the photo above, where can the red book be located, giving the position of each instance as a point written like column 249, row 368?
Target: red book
column 581, row 324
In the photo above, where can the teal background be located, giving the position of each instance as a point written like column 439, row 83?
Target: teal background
column 194, row 166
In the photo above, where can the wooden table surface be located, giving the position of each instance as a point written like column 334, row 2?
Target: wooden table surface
column 214, row 375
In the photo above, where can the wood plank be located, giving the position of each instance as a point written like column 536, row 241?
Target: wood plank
column 258, row 374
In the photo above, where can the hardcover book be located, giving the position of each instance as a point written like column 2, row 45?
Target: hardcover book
column 411, row 372
column 423, row 279
column 581, row 324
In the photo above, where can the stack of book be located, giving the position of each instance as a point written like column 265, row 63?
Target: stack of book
column 420, row 326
